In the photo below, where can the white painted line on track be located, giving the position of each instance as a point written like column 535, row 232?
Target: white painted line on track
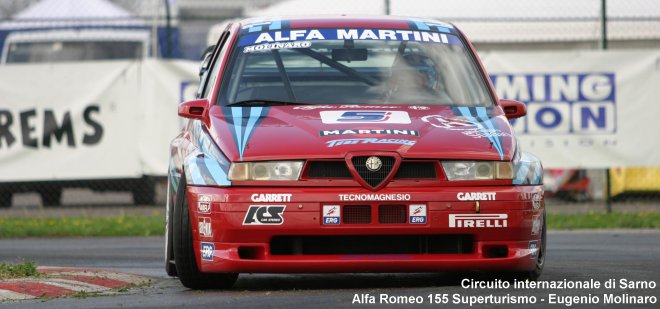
column 103, row 274
column 11, row 295
column 74, row 285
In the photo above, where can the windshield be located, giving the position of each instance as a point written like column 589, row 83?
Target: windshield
column 353, row 66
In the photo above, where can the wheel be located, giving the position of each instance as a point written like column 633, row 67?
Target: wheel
column 51, row 197
column 531, row 275
column 184, row 256
column 144, row 192
column 5, row 199
column 540, row 259
column 170, row 267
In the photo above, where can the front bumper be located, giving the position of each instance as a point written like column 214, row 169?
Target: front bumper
column 246, row 229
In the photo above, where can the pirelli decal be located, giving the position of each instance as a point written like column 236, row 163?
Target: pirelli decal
column 478, row 220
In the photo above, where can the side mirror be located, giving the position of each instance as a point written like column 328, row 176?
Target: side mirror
column 513, row 109
column 195, row 109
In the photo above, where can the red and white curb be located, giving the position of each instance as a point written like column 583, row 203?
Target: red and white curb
column 58, row 281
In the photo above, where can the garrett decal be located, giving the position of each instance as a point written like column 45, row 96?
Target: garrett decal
column 264, row 215
column 478, row 220
column 368, row 116
column 207, row 249
column 271, row 197
column 204, row 204
column 476, row 196
column 358, row 132
column 204, row 227
column 331, row 214
column 417, row 214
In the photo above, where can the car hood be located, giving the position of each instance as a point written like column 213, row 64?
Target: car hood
column 333, row 131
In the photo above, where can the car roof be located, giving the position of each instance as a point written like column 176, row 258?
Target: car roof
column 351, row 21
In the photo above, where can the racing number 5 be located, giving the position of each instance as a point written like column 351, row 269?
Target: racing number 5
column 365, row 116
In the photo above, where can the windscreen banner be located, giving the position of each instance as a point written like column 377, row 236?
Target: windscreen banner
column 585, row 109
column 90, row 120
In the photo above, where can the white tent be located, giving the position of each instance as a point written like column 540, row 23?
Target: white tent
column 71, row 13
column 502, row 21
column 72, row 21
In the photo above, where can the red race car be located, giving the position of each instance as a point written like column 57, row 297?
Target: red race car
column 344, row 144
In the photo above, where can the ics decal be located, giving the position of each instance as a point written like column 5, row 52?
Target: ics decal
column 264, row 215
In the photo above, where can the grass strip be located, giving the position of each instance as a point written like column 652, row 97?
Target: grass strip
column 148, row 225
column 19, row 270
column 647, row 220
column 154, row 225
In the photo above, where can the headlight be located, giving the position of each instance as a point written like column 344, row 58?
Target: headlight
column 267, row 170
column 477, row 170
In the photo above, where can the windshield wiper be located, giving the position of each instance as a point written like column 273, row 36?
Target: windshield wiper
column 263, row 102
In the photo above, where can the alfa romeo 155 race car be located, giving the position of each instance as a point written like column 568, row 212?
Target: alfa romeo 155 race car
column 345, row 144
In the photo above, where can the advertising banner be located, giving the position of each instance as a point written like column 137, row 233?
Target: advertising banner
column 92, row 120
column 585, row 109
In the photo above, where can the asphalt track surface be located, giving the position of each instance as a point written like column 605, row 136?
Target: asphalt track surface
column 603, row 255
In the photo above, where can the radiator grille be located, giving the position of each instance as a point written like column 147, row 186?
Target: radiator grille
column 329, row 169
column 356, row 214
column 372, row 244
column 392, row 214
column 416, row 170
column 373, row 178
column 338, row 169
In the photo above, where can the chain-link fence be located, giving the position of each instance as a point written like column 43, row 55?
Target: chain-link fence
column 52, row 30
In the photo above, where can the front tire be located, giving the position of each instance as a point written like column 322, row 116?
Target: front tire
column 170, row 267
column 184, row 255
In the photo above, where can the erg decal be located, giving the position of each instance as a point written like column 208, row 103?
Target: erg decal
column 331, row 214
column 417, row 214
